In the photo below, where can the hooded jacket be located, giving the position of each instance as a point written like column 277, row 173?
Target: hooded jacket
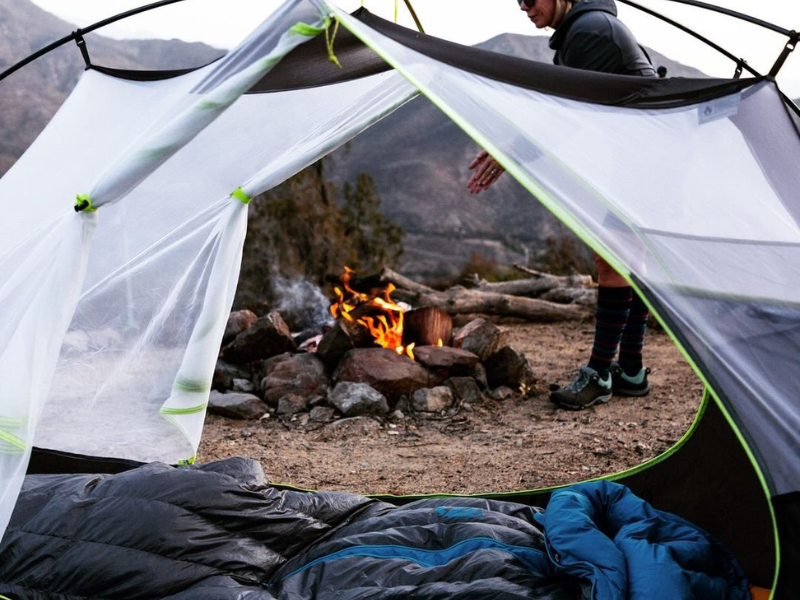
column 591, row 37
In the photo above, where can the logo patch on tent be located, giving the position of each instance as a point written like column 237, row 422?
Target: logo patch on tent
column 718, row 109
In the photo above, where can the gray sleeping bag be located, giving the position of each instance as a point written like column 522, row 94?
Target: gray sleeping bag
column 220, row 531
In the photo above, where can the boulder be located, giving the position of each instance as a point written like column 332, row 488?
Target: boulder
column 480, row 337
column 268, row 337
column 392, row 374
column 238, row 321
column 355, row 399
column 432, row 400
column 301, row 374
column 236, row 405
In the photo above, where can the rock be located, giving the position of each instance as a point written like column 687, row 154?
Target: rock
column 356, row 399
column 391, row 374
column 301, row 374
column 238, row 321
column 225, row 373
column 480, row 337
column 268, row 337
column 317, row 400
column 243, row 385
column 340, row 339
column 449, row 360
column 479, row 375
column 236, row 405
column 508, row 367
column 321, row 414
column 501, row 393
column 432, row 400
column 465, row 389
column 291, row 404
column 403, row 405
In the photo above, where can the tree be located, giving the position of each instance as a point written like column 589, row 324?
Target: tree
column 298, row 230
column 376, row 241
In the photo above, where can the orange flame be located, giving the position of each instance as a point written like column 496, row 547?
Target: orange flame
column 386, row 328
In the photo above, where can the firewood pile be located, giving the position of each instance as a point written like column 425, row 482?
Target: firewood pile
column 396, row 349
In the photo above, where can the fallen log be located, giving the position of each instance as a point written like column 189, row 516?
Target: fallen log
column 537, row 286
column 385, row 276
column 459, row 300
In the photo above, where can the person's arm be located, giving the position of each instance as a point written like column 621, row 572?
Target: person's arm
column 486, row 170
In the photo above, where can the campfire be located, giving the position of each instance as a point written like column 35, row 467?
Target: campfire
column 390, row 324
column 359, row 365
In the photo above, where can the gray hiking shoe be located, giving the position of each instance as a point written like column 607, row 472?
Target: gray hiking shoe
column 627, row 385
column 587, row 389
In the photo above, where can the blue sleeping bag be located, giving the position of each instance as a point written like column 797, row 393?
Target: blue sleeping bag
column 624, row 549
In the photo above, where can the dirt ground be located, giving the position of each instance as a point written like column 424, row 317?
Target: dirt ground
column 521, row 443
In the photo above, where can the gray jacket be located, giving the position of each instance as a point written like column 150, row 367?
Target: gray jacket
column 591, row 37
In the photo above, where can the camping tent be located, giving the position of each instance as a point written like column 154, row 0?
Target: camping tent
column 114, row 308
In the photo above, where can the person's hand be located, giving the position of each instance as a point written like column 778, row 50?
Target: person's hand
column 486, row 171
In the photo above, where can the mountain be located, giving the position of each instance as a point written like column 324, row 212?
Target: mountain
column 417, row 156
column 30, row 96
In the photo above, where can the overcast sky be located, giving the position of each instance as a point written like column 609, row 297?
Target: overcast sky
column 223, row 23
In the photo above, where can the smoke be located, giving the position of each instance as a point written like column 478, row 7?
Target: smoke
column 301, row 304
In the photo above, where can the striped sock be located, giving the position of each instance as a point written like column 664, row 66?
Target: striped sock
column 632, row 342
column 613, row 306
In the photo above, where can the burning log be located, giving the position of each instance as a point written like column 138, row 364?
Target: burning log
column 376, row 312
column 428, row 326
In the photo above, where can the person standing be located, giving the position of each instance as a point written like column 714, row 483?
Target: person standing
column 588, row 35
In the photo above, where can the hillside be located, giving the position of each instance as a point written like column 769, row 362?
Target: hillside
column 30, row 97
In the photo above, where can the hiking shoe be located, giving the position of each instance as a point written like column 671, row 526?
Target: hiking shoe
column 587, row 389
column 627, row 385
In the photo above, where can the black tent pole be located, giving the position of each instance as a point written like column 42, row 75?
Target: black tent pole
column 740, row 62
column 77, row 35
column 734, row 14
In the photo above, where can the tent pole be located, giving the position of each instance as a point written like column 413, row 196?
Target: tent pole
column 787, row 50
column 736, row 15
column 740, row 62
column 77, row 35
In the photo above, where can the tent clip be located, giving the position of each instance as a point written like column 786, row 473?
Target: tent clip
column 84, row 204
column 787, row 50
column 739, row 68
column 78, row 37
